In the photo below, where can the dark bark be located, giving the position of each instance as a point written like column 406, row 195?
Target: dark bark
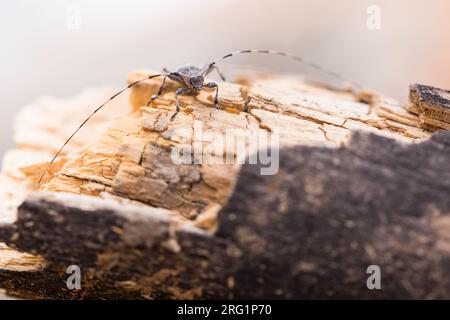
column 309, row 231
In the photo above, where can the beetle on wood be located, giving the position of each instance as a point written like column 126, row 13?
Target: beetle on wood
column 192, row 80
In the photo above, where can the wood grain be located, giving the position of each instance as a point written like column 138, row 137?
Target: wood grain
column 360, row 182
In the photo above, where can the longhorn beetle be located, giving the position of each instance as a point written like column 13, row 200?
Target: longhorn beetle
column 193, row 80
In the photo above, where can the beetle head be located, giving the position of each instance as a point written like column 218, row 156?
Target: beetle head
column 196, row 82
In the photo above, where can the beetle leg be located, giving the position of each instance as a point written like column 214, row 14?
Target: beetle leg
column 178, row 93
column 160, row 90
column 216, row 97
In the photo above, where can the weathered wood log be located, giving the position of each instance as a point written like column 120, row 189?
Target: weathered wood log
column 358, row 184
column 432, row 105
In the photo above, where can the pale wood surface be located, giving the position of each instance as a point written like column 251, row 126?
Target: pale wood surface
column 132, row 160
column 124, row 153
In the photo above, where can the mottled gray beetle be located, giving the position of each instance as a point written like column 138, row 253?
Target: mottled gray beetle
column 193, row 80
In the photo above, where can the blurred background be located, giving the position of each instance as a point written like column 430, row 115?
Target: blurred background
column 59, row 47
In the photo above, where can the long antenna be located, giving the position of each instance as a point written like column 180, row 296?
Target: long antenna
column 289, row 55
column 87, row 119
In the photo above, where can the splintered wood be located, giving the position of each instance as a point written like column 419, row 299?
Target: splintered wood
column 134, row 160
column 182, row 167
column 432, row 105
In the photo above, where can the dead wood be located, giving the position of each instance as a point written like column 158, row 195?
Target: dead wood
column 358, row 184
